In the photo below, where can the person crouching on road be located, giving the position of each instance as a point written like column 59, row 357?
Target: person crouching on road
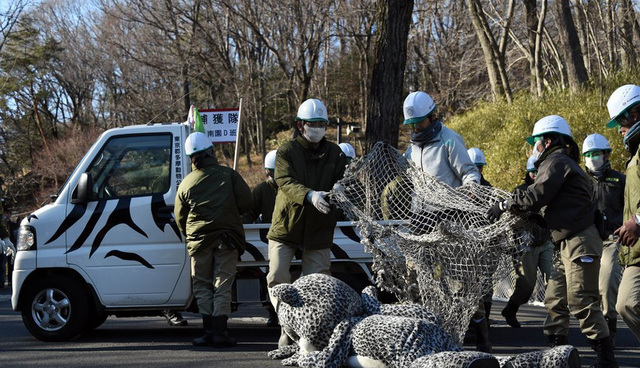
column 563, row 190
column 207, row 210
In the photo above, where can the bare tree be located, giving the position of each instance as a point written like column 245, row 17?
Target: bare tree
column 572, row 54
column 393, row 19
column 493, row 49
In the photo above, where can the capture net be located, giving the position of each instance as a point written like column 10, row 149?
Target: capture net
column 431, row 244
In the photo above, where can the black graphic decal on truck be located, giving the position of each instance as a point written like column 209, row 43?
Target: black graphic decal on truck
column 129, row 257
column 95, row 216
column 76, row 213
column 120, row 215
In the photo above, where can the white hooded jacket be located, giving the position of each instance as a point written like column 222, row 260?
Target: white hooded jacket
column 446, row 158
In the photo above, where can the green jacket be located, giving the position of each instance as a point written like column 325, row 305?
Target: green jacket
column 264, row 199
column 631, row 255
column 209, row 203
column 299, row 169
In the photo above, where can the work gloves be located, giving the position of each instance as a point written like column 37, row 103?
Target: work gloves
column 317, row 200
column 497, row 210
column 7, row 246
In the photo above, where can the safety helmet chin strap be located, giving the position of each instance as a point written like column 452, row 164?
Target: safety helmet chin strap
column 632, row 138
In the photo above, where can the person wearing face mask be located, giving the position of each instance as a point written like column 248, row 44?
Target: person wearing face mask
column 264, row 199
column 441, row 152
column 562, row 193
column 608, row 195
column 307, row 167
column 624, row 112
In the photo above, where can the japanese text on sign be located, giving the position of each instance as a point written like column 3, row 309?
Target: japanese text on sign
column 221, row 126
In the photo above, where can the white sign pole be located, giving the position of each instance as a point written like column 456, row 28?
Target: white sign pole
column 235, row 156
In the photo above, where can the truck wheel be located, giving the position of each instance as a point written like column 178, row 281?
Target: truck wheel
column 96, row 320
column 55, row 309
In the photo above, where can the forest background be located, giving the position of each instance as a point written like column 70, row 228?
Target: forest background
column 70, row 69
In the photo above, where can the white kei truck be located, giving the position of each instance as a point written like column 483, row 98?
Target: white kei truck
column 108, row 243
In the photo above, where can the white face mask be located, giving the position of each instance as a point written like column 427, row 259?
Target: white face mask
column 313, row 135
column 538, row 150
column 594, row 163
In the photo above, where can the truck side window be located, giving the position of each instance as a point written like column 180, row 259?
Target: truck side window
column 132, row 166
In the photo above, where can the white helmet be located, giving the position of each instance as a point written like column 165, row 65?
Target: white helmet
column 312, row 110
column 595, row 142
column 621, row 100
column 531, row 163
column 270, row 160
column 476, row 156
column 550, row 124
column 417, row 106
column 196, row 142
column 348, row 150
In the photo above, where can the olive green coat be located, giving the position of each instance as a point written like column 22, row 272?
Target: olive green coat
column 631, row 255
column 209, row 203
column 264, row 199
column 300, row 169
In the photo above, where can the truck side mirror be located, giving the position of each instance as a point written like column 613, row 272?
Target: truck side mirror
column 82, row 192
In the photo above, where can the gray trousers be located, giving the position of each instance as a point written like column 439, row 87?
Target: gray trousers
column 610, row 277
column 214, row 269
column 280, row 257
column 536, row 258
column 573, row 286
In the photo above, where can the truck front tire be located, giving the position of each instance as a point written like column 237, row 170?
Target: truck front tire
column 56, row 308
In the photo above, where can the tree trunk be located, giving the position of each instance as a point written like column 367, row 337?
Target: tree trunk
column 386, row 93
column 492, row 57
column 535, row 23
column 576, row 72
column 628, row 51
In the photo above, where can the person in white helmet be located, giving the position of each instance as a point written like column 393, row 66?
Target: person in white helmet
column 436, row 149
column 477, row 157
column 208, row 207
column 624, row 112
column 562, row 192
column 307, row 167
column 608, row 195
column 348, row 150
column 264, row 200
column 538, row 257
column 441, row 152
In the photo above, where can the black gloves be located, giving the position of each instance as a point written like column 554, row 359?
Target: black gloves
column 497, row 210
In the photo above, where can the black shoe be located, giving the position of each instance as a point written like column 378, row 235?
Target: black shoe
column 509, row 314
column 604, row 353
column 174, row 318
column 221, row 338
column 272, row 321
column 207, row 326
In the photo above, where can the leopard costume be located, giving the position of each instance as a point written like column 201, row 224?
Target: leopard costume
column 332, row 326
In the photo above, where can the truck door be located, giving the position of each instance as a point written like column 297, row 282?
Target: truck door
column 125, row 238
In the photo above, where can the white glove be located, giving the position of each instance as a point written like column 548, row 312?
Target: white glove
column 8, row 245
column 317, row 199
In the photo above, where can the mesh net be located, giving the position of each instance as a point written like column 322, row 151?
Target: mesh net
column 431, row 244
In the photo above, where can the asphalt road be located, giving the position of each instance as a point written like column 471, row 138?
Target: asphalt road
column 150, row 342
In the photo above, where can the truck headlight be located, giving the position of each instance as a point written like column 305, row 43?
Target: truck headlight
column 27, row 238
